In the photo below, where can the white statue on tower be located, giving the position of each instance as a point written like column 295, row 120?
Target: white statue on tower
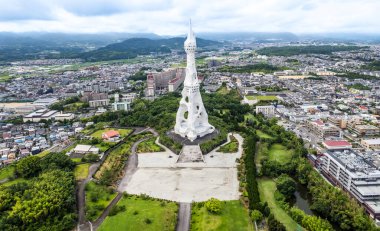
column 192, row 118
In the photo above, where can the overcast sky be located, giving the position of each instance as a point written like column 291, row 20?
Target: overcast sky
column 170, row 17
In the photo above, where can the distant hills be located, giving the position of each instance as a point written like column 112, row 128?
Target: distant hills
column 106, row 46
column 130, row 48
column 251, row 36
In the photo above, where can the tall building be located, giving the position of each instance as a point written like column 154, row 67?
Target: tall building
column 192, row 118
column 165, row 81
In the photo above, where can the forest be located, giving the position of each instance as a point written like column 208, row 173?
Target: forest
column 302, row 50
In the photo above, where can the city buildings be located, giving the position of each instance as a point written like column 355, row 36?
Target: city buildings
column 165, row 81
column 123, row 101
column 323, row 130
column 371, row 144
column 357, row 174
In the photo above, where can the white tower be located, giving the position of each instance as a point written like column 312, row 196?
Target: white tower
column 192, row 118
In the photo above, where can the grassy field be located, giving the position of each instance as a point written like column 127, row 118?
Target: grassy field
column 149, row 145
column 7, row 172
column 142, row 214
column 233, row 217
column 43, row 153
column 81, row 171
column 4, row 78
column 231, row 147
column 279, row 153
column 223, row 91
column 73, row 107
column 263, row 135
column 267, row 187
column 115, row 159
column 123, row 132
column 262, row 97
column 97, row 199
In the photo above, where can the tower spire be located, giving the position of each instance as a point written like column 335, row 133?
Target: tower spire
column 190, row 35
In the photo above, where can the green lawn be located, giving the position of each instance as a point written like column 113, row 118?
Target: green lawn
column 7, row 172
column 262, row 97
column 260, row 154
column 123, row 132
column 280, row 153
column 163, row 215
column 76, row 160
column 263, row 135
column 97, row 199
column 223, row 91
column 233, row 217
column 81, row 171
column 4, row 78
column 149, row 145
column 43, row 153
column 267, row 187
column 231, row 147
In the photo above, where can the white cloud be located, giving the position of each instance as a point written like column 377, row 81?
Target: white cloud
column 170, row 17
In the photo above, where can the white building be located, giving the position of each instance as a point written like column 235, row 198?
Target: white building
column 123, row 101
column 42, row 114
column 373, row 144
column 266, row 110
column 192, row 118
column 99, row 103
column 45, row 102
column 357, row 174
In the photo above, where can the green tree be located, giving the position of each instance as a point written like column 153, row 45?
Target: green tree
column 286, row 185
column 256, row 215
column 28, row 166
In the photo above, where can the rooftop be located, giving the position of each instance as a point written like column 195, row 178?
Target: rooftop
column 337, row 143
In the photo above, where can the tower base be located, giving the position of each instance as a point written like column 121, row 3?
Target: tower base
column 184, row 140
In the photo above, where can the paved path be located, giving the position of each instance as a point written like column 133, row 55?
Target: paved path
column 184, row 215
column 81, row 198
column 131, row 166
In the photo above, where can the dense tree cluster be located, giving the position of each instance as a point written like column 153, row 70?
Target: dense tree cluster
column 332, row 203
column 311, row 223
column 59, row 106
column 260, row 67
column 286, row 185
column 299, row 50
column 45, row 202
column 327, row 201
column 373, row 66
column 358, row 86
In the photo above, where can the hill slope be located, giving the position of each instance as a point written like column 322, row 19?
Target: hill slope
column 130, row 48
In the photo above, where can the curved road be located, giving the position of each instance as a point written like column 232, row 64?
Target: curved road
column 129, row 169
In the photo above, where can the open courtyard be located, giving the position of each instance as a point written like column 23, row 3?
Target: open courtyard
column 160, row 176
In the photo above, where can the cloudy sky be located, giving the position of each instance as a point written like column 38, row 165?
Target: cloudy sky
column 170, row 17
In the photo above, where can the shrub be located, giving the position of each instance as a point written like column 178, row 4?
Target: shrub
column 116, row 209
column 256, row 215
column 214, row 205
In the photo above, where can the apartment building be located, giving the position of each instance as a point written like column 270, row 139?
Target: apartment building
column 357, row 174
